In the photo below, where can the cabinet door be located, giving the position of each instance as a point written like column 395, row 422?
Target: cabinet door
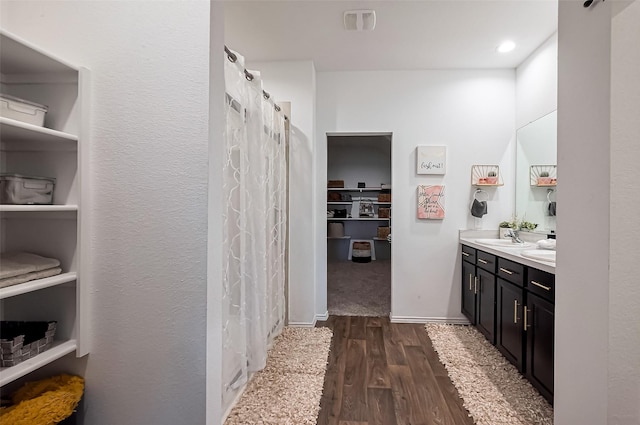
column 540, row 325
column 510, row 334
column 486, row 304
column 469, row 291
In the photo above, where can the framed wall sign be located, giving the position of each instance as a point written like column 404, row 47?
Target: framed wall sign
column 431, row 159
column 431, row 202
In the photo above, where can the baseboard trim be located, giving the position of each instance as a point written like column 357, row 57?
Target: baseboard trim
column 417, row 319
column 302, row 324
column 322, row 317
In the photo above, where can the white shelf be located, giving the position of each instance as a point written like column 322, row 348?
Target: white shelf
column 358, row 219
column 35, row 285
column 343, row 237
column 37, row 208
column 59, row 349
column 20, row 136
column 380, row 239
column 18, row 56
column 356, row 189
column 59, row 231
column 339, row 203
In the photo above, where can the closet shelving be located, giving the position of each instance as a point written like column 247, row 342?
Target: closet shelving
column 60, row 149
column 353, row 213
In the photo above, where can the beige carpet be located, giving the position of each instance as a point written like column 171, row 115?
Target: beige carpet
column 288, row 390
column 359, row 289
column 492, row 389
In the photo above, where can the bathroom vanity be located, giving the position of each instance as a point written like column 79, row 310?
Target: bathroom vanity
column 510, row 300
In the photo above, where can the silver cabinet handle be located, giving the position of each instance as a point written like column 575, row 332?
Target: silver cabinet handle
column 506, row 271
column 466, row 254
column 470, row 281
column 480, row 260
column 525, row 318
column 475, row 285
column 540, row 285
column 515, row 311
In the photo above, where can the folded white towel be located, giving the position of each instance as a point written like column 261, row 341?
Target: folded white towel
column 547, row 244
column 19, row 263
column 41, row 274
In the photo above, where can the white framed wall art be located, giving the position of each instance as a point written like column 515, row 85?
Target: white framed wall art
column 431, row 159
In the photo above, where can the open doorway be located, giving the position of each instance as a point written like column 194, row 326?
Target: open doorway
column 359, row 224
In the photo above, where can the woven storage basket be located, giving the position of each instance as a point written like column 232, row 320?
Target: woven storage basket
column 361, row 252
column 384, row 197
column 24, row 340
column 334, row 196
column 383, row 232
column 335, row 183
column 384, row 212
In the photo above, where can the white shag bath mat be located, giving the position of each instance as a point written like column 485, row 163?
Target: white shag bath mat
column 288, row 390
column 492, row 389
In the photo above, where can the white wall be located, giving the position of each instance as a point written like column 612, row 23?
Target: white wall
column 537, row 83
column 624, row 291
column 295, row 82
column 582, row 271
column 149, row 62
column 472, row 112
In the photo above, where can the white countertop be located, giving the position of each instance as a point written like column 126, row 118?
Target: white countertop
column 468, row 238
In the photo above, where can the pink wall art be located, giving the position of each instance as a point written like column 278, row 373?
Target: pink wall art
column 431, row 202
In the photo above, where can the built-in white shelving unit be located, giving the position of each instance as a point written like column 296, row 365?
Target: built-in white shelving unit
column 60, row 149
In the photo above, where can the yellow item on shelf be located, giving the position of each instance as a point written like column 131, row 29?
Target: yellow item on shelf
column 44, row 402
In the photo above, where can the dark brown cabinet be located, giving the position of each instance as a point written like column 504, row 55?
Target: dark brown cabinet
column 539, row 319
column 510, row 334
column 512, row 305
column 478, row 290
column 486, row 307
column 469, row 291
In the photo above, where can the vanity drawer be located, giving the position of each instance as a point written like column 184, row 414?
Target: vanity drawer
column 487, row 261
column 513, row 272
column 542, row 283
column 468, row 254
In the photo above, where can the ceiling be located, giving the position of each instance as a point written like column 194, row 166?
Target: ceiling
column 427, row 34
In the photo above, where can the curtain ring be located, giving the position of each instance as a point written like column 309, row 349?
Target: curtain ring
column 248, row 75
column 230, row 55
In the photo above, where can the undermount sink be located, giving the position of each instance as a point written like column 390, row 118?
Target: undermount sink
column 540, row 254
column 504, row 243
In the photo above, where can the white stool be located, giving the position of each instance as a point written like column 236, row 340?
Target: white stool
column 371, row 242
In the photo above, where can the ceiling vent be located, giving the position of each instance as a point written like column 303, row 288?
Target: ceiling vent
column 359, row 20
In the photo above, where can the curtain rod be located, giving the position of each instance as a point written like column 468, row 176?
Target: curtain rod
column 249, row 76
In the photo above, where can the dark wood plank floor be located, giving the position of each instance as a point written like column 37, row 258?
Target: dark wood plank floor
column 388, row 374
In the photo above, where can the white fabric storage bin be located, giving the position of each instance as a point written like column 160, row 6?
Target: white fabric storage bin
column 24, row 190
column 22, row 110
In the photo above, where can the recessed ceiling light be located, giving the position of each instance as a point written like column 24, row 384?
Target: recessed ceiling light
column 506, row 46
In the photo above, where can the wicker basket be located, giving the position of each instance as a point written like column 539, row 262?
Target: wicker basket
column 384, row 212
column 335, row 183
column 383, row 232
column 384, row 197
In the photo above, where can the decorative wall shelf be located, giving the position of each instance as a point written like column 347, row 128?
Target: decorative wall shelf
column 538, row 179
column 480, row 175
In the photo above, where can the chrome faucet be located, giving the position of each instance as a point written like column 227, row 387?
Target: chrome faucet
column 514, row 235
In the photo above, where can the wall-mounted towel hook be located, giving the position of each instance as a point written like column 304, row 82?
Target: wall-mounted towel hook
column 549, row 192
column 479, row 191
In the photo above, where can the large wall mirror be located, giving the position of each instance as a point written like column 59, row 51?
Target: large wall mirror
column 536, row 156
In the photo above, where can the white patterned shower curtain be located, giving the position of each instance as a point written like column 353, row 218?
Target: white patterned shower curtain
column 254, row 223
